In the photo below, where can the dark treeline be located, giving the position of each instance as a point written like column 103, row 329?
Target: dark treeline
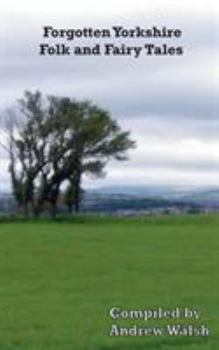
column 53, row 141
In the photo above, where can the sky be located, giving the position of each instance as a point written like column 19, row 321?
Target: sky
column 169, row 104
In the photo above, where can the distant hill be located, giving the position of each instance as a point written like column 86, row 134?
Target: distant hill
column 145, row 199
column 145, row 191
column 209, row 198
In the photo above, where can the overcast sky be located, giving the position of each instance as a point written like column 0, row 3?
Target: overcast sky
column 170, row 104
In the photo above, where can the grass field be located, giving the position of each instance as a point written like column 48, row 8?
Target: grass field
column 58, row 281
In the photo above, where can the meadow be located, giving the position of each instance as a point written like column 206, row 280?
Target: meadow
column 58, row 280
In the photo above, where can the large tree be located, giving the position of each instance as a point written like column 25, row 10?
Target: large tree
column 26, row 150
column 59, row 140
column 92, row 138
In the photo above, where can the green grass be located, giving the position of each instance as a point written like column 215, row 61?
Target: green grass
column 58, row 280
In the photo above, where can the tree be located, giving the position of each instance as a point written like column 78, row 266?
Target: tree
column 57, row 140
column 27, row 149
column 92, row 138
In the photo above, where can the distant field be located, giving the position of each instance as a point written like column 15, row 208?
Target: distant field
column 58, row 281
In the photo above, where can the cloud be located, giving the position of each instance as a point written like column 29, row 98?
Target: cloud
column 95, row 8
column 183, row 85
column 170, row 104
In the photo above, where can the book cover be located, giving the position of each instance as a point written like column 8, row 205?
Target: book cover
column 109, row 175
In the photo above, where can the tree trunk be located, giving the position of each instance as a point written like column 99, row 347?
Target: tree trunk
column 77, row 201
column 77, row 192
column 70, row 208
column 26, row 210
column 53, row 210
